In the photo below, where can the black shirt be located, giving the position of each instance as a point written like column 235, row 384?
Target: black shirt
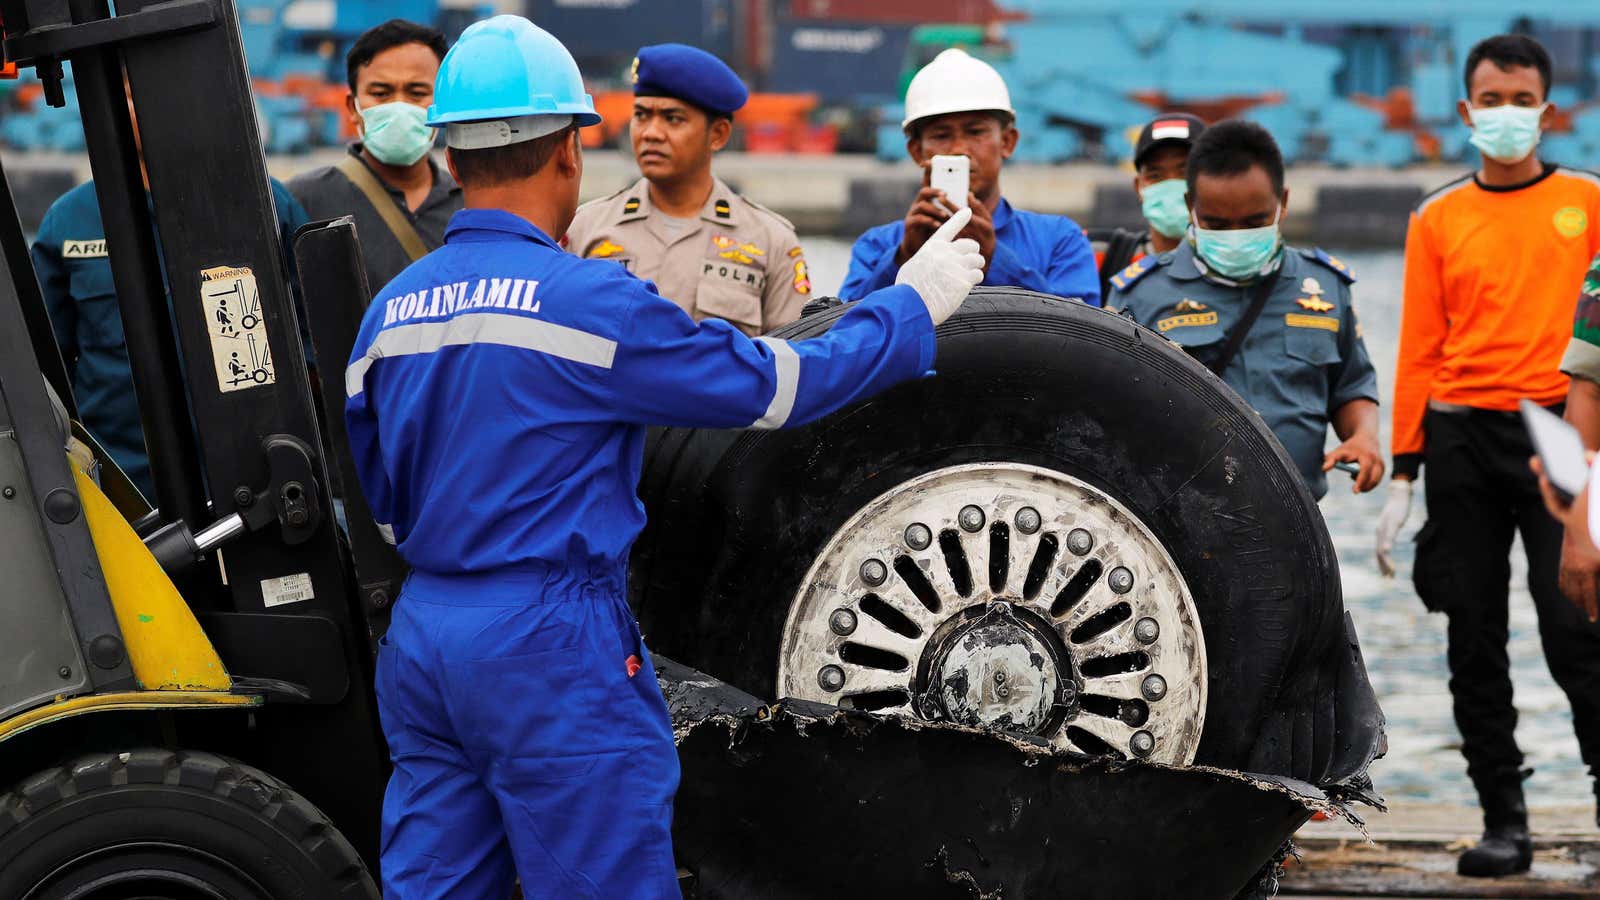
column 327, row 194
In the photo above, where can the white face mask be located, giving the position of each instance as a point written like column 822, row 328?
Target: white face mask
column 1506, row 134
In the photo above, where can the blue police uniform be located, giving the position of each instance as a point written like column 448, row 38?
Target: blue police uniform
column 74, row 271
column 498, row 395
column 1031, row 250
column 1303, row 359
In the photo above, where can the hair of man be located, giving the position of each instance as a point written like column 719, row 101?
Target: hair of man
column 493, row 166
column 1508, row 51
column 1232, row 147
column 393, row 33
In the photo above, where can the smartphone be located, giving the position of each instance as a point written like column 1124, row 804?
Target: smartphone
column 1560, row 449
column 951, row 175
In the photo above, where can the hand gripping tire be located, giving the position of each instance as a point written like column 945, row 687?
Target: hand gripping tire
column 162, row 823
column 1104, row 420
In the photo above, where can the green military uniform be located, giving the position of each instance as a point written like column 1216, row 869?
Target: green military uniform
column 738, row 261
column 1302, row 360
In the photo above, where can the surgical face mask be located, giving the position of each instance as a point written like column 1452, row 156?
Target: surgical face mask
column 1164, row 208
column 396, row 133
column 1241, row 253
column 1506, row 134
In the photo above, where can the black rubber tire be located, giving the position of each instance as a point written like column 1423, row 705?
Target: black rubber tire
column 736, row 518
column 223, row 824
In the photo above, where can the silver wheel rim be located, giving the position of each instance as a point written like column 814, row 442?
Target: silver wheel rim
column 1080, row 630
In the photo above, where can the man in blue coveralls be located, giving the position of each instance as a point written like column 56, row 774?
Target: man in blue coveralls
column 959, row 106
column 74, row 271
column 498, row 395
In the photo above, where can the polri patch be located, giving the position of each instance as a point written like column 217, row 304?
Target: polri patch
column 802, row 278
column 732, row 273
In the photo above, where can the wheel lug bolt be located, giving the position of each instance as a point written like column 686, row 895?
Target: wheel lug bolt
column 842, row 621
column 1079, row 541
column 1154, row 687
column 1133, row 714
column 971, row 518
column 874, row 572
column 999, row 678
column 1142, row 743
column 830, row 678
column 1121, row 580
column 918, row 536
column 1146, row 631
column 1028, row 520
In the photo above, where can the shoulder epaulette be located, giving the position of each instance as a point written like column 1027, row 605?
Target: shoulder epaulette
column 1317, row 254
column 762, row 209
column 1136, row 270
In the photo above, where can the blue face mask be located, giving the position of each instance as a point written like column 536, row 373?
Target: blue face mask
column 1239, row 254
column 1164, row 208
column 1506, row 134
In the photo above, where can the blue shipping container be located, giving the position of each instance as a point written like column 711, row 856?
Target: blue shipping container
column 597, row 30
column 838, row 60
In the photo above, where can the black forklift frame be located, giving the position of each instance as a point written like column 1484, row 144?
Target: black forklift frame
column 191, row 171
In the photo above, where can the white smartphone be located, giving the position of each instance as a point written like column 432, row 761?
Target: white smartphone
column 1559, row 448
column 951, row 175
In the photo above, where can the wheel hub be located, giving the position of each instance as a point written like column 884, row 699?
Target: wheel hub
column 1007, row 596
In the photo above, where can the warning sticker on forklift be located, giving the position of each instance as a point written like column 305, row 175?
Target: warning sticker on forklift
column 239, row 351
column 288, row 589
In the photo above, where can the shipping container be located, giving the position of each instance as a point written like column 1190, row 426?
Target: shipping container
column 913, row 12
column 841, row 61
column 603, row 35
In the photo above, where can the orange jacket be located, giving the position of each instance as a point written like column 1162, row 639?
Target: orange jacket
column 1491, row 277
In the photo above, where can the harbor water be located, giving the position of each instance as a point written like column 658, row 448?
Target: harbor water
column 1403, row 643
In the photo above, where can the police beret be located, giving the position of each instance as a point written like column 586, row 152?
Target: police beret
column 688, row 73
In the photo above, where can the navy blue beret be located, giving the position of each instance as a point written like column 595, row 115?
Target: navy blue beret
column 688, row 73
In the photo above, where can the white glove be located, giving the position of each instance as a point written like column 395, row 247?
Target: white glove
column 1395, row 511
column 945, row 269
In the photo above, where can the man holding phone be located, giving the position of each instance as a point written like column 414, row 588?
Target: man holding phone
column 1491, row 262
column 958, row 106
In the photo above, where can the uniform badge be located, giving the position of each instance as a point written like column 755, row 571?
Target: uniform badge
column 630, row 206
column 751, row 249
column 1191, row 320
column 1315, row 304
column 1296, row 320
column 1189, row 306
column 83, row 249
column 1570, row 221
column 722, row 209
column 795, row 253
column 635, row 73
column 737, row 257
column 1311, row 287
column 722, row 242
column 603, row 250
column 802, row 278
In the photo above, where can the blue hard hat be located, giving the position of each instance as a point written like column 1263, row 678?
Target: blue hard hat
column 688, row 73
column 506, row 67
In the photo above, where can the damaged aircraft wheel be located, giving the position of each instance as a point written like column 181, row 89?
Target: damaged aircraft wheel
column 1070, row 529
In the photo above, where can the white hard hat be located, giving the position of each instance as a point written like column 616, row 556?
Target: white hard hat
column 955, row 82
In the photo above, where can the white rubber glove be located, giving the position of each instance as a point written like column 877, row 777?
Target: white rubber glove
column 1395, row 510
column 945, row 269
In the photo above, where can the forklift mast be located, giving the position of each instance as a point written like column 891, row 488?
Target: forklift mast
column 220, row 377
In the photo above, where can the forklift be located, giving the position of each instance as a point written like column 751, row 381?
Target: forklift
column 160, row 660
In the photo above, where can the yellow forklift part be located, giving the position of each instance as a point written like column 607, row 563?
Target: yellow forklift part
column 166, row 646
column 92, row 703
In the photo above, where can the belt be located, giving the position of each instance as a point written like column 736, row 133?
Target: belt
column 1457, row 409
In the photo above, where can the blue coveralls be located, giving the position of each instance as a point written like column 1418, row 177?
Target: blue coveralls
column 1031, row 250
column 498, row 395
column 74, row 271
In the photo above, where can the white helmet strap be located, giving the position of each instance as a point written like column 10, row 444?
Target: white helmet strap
column 502, row 132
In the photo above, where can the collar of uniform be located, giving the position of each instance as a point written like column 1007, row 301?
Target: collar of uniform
column 719, row 206
column 1184, row 266
column 496, row 221
column 1187, row 265
column 443, row 181
column 637, row 204
column 1002, row 214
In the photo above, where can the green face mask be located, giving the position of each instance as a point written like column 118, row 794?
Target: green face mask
column 1239, row 253
column 1164, row 208
column 397, row 133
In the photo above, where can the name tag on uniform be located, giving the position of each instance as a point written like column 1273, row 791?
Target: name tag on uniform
column 1191, row 320
column 83, row 249
column 731, row 273
column 1297, row 320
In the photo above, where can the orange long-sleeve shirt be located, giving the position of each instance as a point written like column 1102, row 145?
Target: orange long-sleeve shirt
column 1490, row 283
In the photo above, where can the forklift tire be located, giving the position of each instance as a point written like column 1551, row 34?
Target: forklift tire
column 737, row 520
column 206, row 826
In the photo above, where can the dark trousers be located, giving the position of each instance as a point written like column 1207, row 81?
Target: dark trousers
column 1479, row 493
